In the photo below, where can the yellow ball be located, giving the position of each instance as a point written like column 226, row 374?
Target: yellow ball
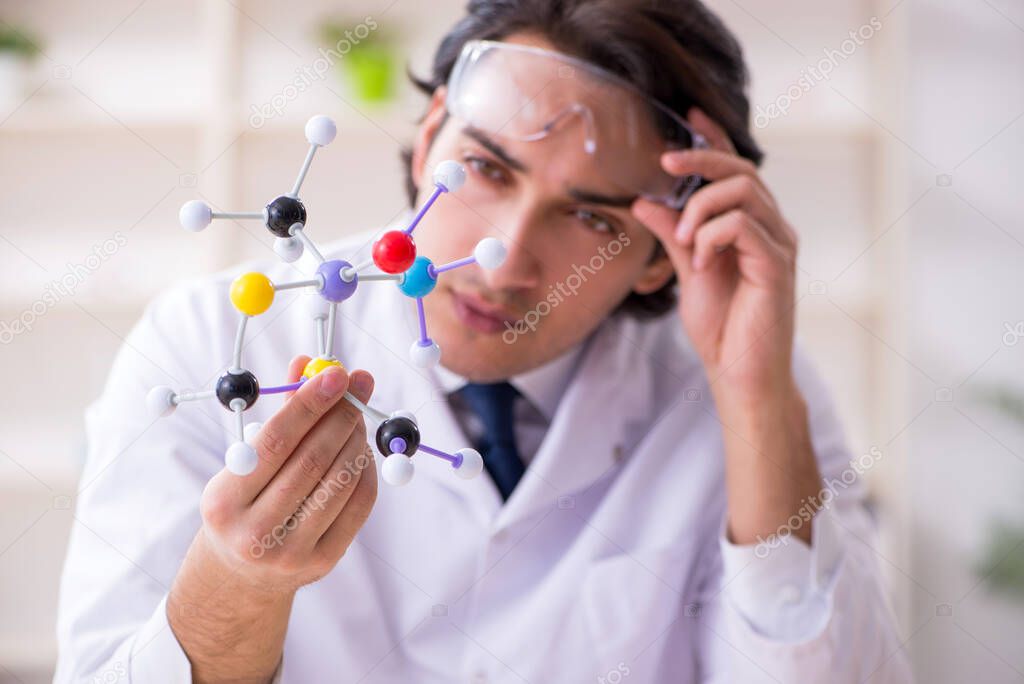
column 318, row 364
column 252, row 293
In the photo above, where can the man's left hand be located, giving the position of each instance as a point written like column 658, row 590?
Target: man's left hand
column 735, row 257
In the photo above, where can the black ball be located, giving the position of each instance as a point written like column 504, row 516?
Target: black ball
column 399, row 426
column 238, row 386
column 282, row 213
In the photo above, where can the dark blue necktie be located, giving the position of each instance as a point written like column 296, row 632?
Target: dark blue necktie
column 494, row 404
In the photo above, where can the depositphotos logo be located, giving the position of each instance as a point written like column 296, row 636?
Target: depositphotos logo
column 564, row 289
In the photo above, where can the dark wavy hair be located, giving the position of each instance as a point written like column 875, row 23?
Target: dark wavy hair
column 676, row 51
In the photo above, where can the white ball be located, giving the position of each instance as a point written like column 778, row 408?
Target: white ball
column 195, row 215
column 160, row 401
column 490, row 253
column 424, row 357
column 450, row 174
column 320, row 130
column 241, row 459
column 404, row 414
column 472, row 463
column 289, row 249
column 397, row 470
column 251, row 431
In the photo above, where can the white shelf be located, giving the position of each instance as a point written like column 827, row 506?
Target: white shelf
column 390, row 119
column 28, row 653
column 786, row 132
column 67, row 114
column 74, row 113
column 63, row 478
column 862, row 306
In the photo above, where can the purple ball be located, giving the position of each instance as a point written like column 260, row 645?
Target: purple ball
column 335, row 288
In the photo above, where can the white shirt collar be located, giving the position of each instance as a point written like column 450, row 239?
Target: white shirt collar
column 543, row 386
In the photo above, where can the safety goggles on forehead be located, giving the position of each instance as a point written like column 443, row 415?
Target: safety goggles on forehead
column 530, row 94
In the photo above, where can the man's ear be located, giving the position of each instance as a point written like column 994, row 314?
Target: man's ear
column 658, row 272
column 426, row 133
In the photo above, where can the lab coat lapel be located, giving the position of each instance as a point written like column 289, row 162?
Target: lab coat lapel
column 603, row 411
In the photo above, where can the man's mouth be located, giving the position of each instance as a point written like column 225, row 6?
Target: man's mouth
column 481, row 315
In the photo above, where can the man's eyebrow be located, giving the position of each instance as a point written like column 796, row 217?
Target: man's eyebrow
column 578, row 194
column 495, row 149
column 590, row 197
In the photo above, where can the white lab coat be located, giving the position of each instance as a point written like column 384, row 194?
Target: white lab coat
column 607, row 563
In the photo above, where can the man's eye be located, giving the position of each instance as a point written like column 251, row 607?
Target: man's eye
column 593, row 220
column 489, row 170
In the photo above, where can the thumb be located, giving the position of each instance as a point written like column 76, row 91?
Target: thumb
column 664, row 223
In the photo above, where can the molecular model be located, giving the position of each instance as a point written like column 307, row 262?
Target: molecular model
column 394, row 253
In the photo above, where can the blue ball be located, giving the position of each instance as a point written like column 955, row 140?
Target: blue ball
column 417, row 281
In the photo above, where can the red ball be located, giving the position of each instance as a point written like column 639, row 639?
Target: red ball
column 394, row 252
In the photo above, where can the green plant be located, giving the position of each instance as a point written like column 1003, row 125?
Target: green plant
column 17, row 42
column 1002, row 564
column 367, row 57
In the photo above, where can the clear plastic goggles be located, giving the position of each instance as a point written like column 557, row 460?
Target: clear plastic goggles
column 530, row 94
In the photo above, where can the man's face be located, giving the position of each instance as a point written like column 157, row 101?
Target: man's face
column 574, row 250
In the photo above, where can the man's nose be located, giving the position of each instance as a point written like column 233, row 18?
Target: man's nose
column 522, row 267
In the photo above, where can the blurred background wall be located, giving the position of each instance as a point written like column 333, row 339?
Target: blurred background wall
column 894, row 139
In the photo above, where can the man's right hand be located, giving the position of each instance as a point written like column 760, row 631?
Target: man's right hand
column 268, row 533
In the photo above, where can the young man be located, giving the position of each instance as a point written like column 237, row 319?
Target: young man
column 656, row 504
